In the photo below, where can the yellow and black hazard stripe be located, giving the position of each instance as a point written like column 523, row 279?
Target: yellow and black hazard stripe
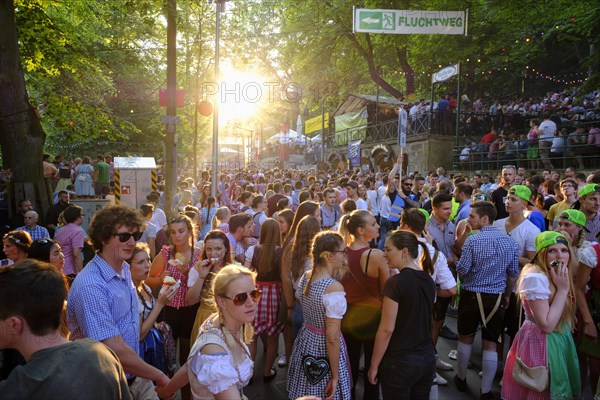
column 154, row 185
column 117, row 186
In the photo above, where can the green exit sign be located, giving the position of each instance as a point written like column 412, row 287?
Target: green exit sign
column 376, row 20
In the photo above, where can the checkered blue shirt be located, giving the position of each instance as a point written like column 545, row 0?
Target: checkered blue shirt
column 103, row 304
column 487, row 257
column 39, row 232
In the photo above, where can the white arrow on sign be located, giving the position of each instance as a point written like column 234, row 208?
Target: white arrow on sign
column 370, row 20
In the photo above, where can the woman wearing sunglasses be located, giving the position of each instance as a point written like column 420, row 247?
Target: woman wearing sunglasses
column 319, row 364
column 219, row 365
column 176, row 261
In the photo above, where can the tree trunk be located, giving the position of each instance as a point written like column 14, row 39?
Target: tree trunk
column 410, row 74
column 367, row 54
column 21, row 135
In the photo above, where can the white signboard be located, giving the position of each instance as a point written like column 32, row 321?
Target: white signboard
column 403, row 120
column 409, row 21
column 444, row 74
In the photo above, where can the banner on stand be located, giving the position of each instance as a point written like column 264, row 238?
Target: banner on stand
column 354, row 153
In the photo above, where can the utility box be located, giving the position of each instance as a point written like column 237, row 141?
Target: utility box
column 135, row 178
column 90, row 207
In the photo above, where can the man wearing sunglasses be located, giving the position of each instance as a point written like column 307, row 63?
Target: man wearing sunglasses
column 102, row 302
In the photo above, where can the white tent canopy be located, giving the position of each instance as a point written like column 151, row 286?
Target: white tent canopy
column 316, row 139
column 287, row 137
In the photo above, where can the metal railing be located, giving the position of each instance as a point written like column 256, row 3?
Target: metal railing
column 485, row 157
column 471, row 124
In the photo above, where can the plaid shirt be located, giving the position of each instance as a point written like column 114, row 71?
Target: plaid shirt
column 103, row 304
column 39, row 232
column 444, row 239
column 593, row 226
column 486, row 259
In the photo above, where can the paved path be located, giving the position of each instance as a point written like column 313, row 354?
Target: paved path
column 275, row 390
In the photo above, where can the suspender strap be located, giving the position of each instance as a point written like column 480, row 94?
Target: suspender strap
column 487, row 319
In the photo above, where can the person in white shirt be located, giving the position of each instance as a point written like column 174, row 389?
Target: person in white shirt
column 381, row 192
column 159, row 219
column 547, row 131
column 258, row 214
column 523, row 232
column 372, row 195
column 352, row 193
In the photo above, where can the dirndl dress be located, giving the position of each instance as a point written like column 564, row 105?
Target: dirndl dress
column 589, row 255
column 65, row 179
column 309, row 369
column 266, row 320
column 84, row 184
column 536, row 348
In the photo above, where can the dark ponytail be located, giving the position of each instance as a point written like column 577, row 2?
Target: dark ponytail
column 405, row 239
column 425, row 261
column 209, row 202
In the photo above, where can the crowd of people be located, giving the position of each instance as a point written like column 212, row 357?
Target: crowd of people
column 82, row 177
column 343, row 266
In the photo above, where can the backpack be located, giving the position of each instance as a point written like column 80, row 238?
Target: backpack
column 152, row 350
column 257, row 225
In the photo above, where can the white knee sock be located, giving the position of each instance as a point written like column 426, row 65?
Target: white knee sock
column 463, row 355
column 489, row 364
column 433, row 394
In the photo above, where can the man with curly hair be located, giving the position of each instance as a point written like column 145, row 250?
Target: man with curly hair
column 103, row 302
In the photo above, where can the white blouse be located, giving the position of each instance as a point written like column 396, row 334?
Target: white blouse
column 535, row 286
column 217, row 373
column 587, row 255
column 335, row 304
column 210, row 374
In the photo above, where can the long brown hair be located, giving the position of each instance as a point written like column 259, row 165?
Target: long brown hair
column 305, row 208
column 288, row 215
column 182, row 218
column 307, row 229
column 270, row 241
column 207, row 285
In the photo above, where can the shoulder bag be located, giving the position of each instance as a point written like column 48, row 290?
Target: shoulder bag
column 534, row 378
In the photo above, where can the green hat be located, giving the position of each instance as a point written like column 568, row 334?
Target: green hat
column 575, row 216
column 587, row 189
column 426, row 214
column 548, row 238
column 522, row 192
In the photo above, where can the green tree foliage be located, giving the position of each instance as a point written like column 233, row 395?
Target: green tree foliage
column 94, row 68
column 91, row 68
